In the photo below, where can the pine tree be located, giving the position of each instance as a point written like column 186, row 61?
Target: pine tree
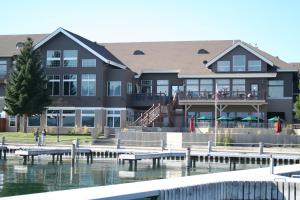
column 297, row 105
column 26, row 91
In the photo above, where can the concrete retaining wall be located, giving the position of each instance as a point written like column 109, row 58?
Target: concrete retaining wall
column 142, row 139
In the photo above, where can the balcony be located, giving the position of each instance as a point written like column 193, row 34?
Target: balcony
column 228, row 98
column 145, row 100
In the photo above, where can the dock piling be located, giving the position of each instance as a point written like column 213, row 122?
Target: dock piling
column 209, row 146
column 188, row 157
column 73, row 153
column 271, row 164
column 118, row 143
column 261, row 148
column 162, row 145
column 3, row 140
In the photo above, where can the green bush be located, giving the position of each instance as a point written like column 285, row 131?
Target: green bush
column 224, row 140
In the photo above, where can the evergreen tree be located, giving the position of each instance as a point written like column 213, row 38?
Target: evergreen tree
column 26, row 91
column 297, row 105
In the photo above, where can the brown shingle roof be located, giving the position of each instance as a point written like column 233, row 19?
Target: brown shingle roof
column 8, row 43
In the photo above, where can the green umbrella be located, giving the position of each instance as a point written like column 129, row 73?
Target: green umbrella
column 225, row 118
column 203, row 118
column 249, row 118
column 274, row 119
column 237, row 119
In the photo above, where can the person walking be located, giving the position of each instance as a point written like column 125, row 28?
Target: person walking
column 44, row 137
column 36, row 135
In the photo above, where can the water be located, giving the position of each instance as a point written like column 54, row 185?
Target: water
column 43, row 175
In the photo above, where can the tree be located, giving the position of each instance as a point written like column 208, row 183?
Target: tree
column 297, row 105
column 26, row 91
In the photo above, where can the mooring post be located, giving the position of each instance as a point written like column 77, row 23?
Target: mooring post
column 5, row 151
column 0, row 153
column 24, row 160
column 162, row 145
column 73, row 153
column 209, row 146
column 3, row 140
column 271, row 164
column 53, row 158
column 118, row 143
column 261, row 148
column 188, row 157
column 77, row 142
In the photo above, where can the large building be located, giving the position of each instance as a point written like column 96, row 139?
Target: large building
column 110, row 84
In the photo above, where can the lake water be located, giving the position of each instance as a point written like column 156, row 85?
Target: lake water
column 43, row 175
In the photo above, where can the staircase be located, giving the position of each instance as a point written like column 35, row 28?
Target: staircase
column 149, row 116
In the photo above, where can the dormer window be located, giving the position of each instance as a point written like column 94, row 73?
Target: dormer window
column 138, row 52
column 223, row 66
column 239, row 63
column 202, row 51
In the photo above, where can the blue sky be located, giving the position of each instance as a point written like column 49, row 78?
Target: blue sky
column 273, row 24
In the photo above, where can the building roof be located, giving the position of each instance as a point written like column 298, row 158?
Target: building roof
column 181, row 57
column 8, row 43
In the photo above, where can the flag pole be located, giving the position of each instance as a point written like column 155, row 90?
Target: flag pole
column 216, row 113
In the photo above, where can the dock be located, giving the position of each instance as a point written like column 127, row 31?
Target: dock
column 54, row 152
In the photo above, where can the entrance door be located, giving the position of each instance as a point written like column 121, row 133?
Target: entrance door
column 254, row 90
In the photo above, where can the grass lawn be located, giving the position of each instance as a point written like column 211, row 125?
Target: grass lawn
column 19, row 137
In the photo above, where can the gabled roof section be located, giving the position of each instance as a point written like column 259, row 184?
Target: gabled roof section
column 98, row 50
column 241, row 44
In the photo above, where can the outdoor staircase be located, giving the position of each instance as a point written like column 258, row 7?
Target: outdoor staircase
column 148, row 117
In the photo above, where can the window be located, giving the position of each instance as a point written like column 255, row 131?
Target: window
column 254, row 65
column 3, row 67
column 129, row 88
column 239, row 63
column 12, row 121
column 192, row 87
column 223, row 85
column 113, row 118
column 223, row 66
column 53, row 58
column 70, row 58
column 163, row 87
column 88, row 85
column 87, row 118
column 176, row 89
column 53, row 117
column 238, row 87
column 206, row 87
column 114, row 88
column 70, row 85
column 34, row 120
column 88, row 63
column 275, row 88
column 53, row 84
column 146, row 86
column 68, row 118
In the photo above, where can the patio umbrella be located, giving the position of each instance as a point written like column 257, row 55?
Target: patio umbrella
column 192, row 124
column 249, row 118
column 237, row 118
column 203, row 118
column 225, row 118
column 278, row 126
column 274, row 119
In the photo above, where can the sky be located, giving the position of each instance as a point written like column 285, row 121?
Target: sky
column 274, row 25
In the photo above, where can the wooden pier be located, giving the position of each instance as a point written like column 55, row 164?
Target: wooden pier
column 54, row 152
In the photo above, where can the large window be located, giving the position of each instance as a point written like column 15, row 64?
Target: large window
column 163, row 87
column 239, row 63
column 88, row 85
column 3, row 67
column 88, row 63
column 34, row 120
column 146, row 86
column 70, row 58
column 206, row 87
column 87, row 118
column 68, row 118
column 70, row 85
column 192, row 87
column 114, row 88
column 53, row 58
column 254, row 65
column 53, row 117
column 223, row 66
column 129, row 88
column 53, row 84
column 12, row 121
column 113, row 118
column 275, row 88
column 238, row 87
column 223, row 86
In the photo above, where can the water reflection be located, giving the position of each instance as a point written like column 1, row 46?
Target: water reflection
column 43, row 175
